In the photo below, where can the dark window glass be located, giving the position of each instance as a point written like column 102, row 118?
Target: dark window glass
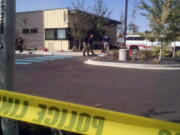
column 135, row 38
column 56, row 34
column 50, row 34
column 138, row 38
column 129, row 38
column 61, row 34
column 25, row 31
column 34, row 30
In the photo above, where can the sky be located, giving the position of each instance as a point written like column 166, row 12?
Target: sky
column 115, row 6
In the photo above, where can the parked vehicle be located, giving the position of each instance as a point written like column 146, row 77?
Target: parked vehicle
column 137, row 42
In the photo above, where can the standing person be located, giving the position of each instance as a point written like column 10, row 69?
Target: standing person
column 20, row 43
column 90, row 44
column 106, row 41
column 85, row 46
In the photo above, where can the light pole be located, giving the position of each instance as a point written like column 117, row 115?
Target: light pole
column 125, row 25
column 123, row 51
column 7, row 50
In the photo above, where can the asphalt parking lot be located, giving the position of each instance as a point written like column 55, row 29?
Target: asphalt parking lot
column 142, row 92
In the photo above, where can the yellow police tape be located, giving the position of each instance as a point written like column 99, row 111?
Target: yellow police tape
column 78, row 118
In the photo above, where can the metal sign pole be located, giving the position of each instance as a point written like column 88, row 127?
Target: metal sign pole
column 123, row 50
column 125, row 28
column 7, row 52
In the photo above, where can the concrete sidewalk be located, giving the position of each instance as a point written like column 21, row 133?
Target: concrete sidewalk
column 41, row 52
column 134, row 66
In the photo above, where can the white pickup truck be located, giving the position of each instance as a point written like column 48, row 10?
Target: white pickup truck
column 136, row 42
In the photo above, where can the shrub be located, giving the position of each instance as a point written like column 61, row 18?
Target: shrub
column 149, row 53
column 178, row 53
column 167, row 51
column 155, row 61
column 155, row 50
column 114, row 54
column 28, row 49
column 143, row 55
column 34, row 49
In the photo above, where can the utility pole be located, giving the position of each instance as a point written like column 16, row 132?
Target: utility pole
column 125, row 25
column 7, row 54
column 123, row 50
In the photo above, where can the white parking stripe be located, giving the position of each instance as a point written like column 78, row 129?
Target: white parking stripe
column 22, row 63
column 26, row 61
column 23, row 60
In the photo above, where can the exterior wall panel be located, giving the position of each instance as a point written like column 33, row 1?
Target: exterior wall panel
column 56, row 18
column 60, row 45
column 31, row 20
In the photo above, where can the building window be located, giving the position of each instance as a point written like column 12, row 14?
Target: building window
column 35, row 30
column 61, row 34
column 50, row 34
column 56, row 34
column 25, row 31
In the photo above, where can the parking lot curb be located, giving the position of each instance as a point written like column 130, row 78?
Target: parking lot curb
column 133, row 66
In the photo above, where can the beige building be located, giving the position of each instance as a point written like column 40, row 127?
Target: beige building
column 49, row 29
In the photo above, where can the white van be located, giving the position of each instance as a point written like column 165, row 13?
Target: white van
column 137, row 42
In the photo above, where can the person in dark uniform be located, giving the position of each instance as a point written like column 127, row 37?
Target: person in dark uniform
column 20, row 43
column 106, row 41
column 90, row 44
column 85, row 46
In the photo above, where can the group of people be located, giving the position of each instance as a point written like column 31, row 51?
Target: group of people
column 88, row 44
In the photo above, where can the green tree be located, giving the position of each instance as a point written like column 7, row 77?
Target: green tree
column 80, row 26
column 101, row 12
column 148, row 35
column 121, row 25
column 174, row 24
column 132, row 27
column 158, row 13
